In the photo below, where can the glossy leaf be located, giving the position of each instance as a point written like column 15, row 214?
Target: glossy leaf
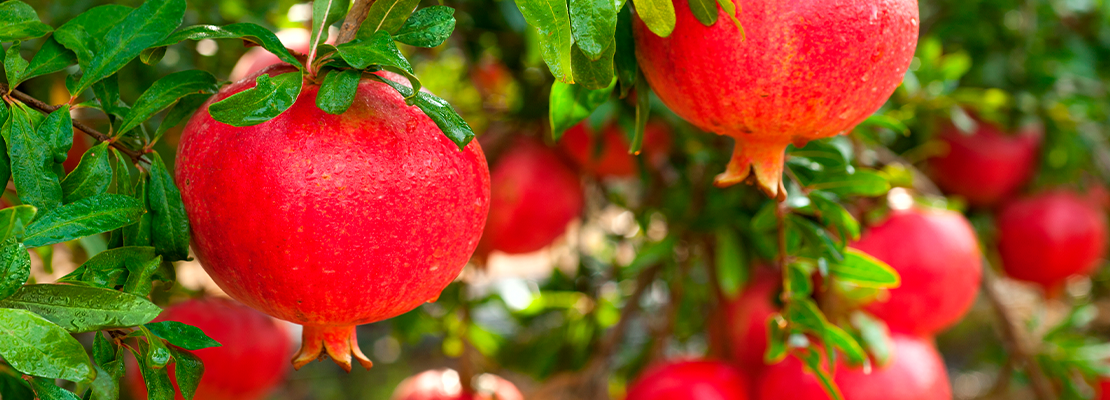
column 658, row 15
column 45, row 389
column 157, row 380
column 592, row 25
column 776, row 344
column 859, row 183
column 338, row 91
column 593, row 75
column 148, row 24
column 387, row 16
column 182, row 335
column 91, row 177
column 445, row 117
column 324, row 14
column 140, row 233
column 31, row 153
column 705, row 11
column 157, row 354
column 107, row 92
column 89, row 216
column 15, row 267
column 14, row 219
column 85, row 33
column 377, row 49
column 165, row 92
column 18, row 21
column 243, row 30
column 624, row 60
column 78, row 308
column 188, row 369
column 427, row 27
column 570, row 104
column 732, row 265
column 140, row 276
column 109, row 268
column 170, row 225
column 35, row 346
column 51, row 57
column 267, row 99
column 14, row 64
column 730, row 9
column 181, row 111
column 552, row 19
column 861, row 269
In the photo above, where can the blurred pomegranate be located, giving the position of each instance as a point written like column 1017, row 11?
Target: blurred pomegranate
column 444, row 384
column 257, row 58
column 610, row 158
column 81, row 144
column 690, row 380
column 1050, row 236
column 987, row 165
column 747, row 321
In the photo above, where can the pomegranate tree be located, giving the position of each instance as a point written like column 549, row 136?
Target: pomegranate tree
column 799, row 71
column 444, row 384
column 1050, row 236
column 610, row 157
column 987, row 165
column 747, row 321
column 331, row 221
column 690, row 380
column 937, row 255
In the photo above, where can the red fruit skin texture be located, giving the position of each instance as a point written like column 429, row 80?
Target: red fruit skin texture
column 937, row 256
column 444, row 385
column 534, row 195
column 1048, row 237
column 331, row 221
column 251, row 362
column 988, row 165
column 1104, row 390
column 747, row 322
column 612, row 159
column 807, row 69
column 915, row 372
column 690, row 380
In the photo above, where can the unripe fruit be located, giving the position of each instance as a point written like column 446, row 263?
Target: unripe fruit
column 258, row 58
column 747, row 321
column 915, row 372
column 937, row 256
column 444, row 384
column 249, row 364
column 1048, row 237
column 331, row 221
column 807, row 69
column 690, row 380
column 612, row 158
column 534, row 195
column 988, row 165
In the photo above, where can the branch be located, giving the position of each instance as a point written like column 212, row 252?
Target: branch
column 1013, row 339
column 354, row 19
column 609, row 344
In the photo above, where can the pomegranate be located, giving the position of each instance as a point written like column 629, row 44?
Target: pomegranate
column 747, row 321
column 78, row 149
column 331, row 221
column 612, row 158
column 988, row 165
column 1048, row 237
column 534, row 196
column 915, row 372
column 690, row 380
column 444, row 384
column 1104, row 389
column 937, row 255
column 248, row 365
column 806, row 69
column 254, row 60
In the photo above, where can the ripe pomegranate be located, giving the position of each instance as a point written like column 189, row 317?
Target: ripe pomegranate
column 331, row 221
column 251, row 361
column 916, row 372
column 747, row 321
column 988, row 165
column 255, row 59
column 690, row 380
column 612, row 159
column 805, row 70
column 1104, row 389
column 937, row 255
column 78, row 149
column 444, row 384
column 1048, row 237
column 534, row 196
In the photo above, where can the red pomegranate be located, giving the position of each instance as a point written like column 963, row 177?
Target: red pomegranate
column 81, row 144
column 612, row 158
column 331, row 221
column 747, row 321
column 988, row 165
column 1104, row 390
column 249, row 364
column 937, row 255
column 255, row 59
column 1048, row 237
column 806, row 69
column 534, row 195
column 444, row 384
column 690, row 380
column 915, row 372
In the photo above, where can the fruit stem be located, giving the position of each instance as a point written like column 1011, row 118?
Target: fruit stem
column 1014, row 341
column 338, row 342
column 354, row 19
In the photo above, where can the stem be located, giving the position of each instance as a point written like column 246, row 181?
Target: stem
column 354, row 19
column 466, row 359
column 780, row 215
column 1014, row 341
column 609, row 344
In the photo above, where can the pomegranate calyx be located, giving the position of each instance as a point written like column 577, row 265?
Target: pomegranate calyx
column 756, row 162
column 338, row 342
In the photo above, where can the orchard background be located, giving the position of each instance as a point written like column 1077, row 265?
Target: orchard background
column 622, row 262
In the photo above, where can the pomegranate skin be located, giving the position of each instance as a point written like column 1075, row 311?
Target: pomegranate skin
column 988, row 165
column 534, row 196
column 331, row 221
column 937, row 255
column 249, row 364
column 690, row 380
column 807, row 69
column 747, row 321
column 443, row 384
column 612, row 159
column 1048, row 237
column 916, row 372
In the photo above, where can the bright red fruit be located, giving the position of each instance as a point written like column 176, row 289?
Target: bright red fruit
column 937, row 255
column 534, row 196
column 248, row 365
column 806, row 69
column 1104, row 390
column 612, row 158
column 915, row 372
column 747, row 321
column 80, row 146
column 1050, row 236
column 331, row 221
column 444, row 384
column 988, row 165
column 690, row 380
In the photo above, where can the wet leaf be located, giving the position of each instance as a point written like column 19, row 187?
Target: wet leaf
column 861, row 269
column 158, row 385
column 182, row 335
column 552, row 19
column 267, row 99
column 427, row 27
column 14, row 64
column 593, row 75
column 181, row 111
column 91, row 177
column 14, row 219
column 245, row 30
column 89, row 216
column 324, row 14
column 45, row 389
column 18, row 21
column 153, row 21
column 166, row 91
column 188, row 369
column 593, row 24
column 338, row 91
column 169, row 224
column 15, row 267
column 32, row 158
column 78, row 308
column 378, row 49
column 84, row 34
column 140, row 276
column 109, row 268
column 387, row 16
column 35, row 346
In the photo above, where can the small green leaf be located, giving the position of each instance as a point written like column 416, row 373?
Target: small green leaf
column 835, row 215
column 570, row 104
column 170, row 225
column 5, row 134
column 593, row 75
column 847, row 344
column 91, row 177
column 84, row 34
column 624, row 61
column 658, row 15
column 776, row 341
column 157, row 355
column 427, row 27
column 45, row 389
column 387, row 16
column 18, row 21
column 798, row 285
column 593, row 24
column 267, row 99
column 89, row 216
column 13, row 220
column 35, row 346
column 109, row 268
column 107, row 92
column 152, row 56
column 140, row 276
column 51, row 57
column 78, row 308
column 181, row 111
column 165, row 92
column 153, row 21
column 876, row 337
column 705, row 11
column 552, row 19
column 324, row 14
column 182, row 335
column 157, row 380
column 378, row 49
column 31, row 152
column 14, row 65
column 812, row 361
column 445, row 117
column 188, row 371
column 861, row 269
column 732, row 268
column 15, row 267
column 244, row 30
column 860, row 183
column 730, row 9
column 338, row 91
column 140, row 233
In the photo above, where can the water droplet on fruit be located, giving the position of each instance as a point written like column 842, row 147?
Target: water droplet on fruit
column 913, row 21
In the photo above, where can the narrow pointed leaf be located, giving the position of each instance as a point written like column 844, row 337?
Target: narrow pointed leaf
column 31, row 153
column 157, row 380
column 45, row 389
column 188, row 369
column 182, row 335
column 14, row 64
column 78, row 308
column 140, row 276
column 165, row 92
column 89, row 216
column 139, row 234
column 170, row 225
column 861, row 269
column 181, row 111
column 552, row 19
column 84, row 34
column 109, row 268
column 143, row 27
column 51, row 57
column 324, row 14
column 244, row 30
column 624, row 61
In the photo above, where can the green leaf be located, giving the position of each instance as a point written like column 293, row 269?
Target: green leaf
column 860, row 183
column 387, row 16
column 157, row 380
column 78, row 308
column 140, row 276
column 244, row 30
column 812, row 362
column 267, row 99
column 861, row 269
column 799, row 284
column 427, row 27
column 157, row 355
column 109, row 268
column 570, row 104
column 35, row 346
column 32, row 156
column 885, row 121
column 5, row 134
column 847, row 344
column 13, row 220
column 15, row 267
column 804, row 314
column 45, row 389
column 181, row 111
column 732, row 265
column 121, row 175
column 14, row 65
column 378, row 49
column 12, row 385
column 188, row 371
column 658, row 15
column 624, row 61
column 593, row 23
column 18, row 21
column 89, row 216
column 593, row 75
column 140, row 233
column 165, row 92
column 84, row 34
column 776, row 343
column 338, row 91
column 51, row 57
column 324, row 14
column 182, row 335
column 730, row 9
column 91, row 177
column 835, row 215
column 876, row 337
column 107, row 92
column 445, row 117
column 170, row 225
column 705, row 11
column 143, row 27
column 552, row 19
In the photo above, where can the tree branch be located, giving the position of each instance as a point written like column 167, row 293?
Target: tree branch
column 354, row 19
column 1021, row 352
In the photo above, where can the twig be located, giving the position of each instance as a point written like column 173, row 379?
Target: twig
column 354, row 19
column 1014, row 340
column 780, row 216
column 609, row 344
